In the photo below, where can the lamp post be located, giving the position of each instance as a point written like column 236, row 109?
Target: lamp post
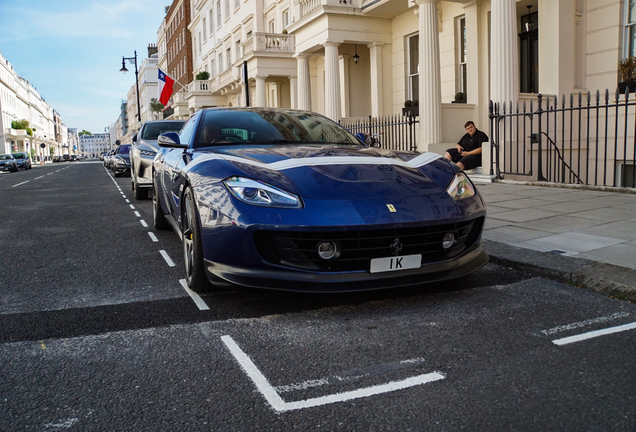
column 124, row 70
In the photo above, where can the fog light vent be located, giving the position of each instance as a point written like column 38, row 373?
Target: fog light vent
column 448, row 241
column 328, row 250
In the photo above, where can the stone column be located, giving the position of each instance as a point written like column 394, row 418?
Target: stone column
column 504, row 60
column 332, row 81
column 430, row 94
column 375, row 50
column 304, row 83
column 472, row 12
column 293, row 85
column 344, row 84
column 260, row 92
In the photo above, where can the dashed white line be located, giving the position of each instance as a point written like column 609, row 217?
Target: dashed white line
column 137, row 214
column 197, row 300
column 132, row 206
column 20, row 183
column 153, row 237
column 127, row 200
column 593, row 334
column 37, row 178
column 165, row 256
column 274, row 399
column 143, row 223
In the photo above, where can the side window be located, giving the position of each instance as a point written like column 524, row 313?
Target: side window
column 187, row 133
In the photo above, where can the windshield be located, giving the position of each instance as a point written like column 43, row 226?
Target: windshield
column 153, row 130
column 5, row 157
column 19, row 155
column 125, row 149
column 223, row 127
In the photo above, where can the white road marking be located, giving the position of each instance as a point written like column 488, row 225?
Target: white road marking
column 593, row 334
column 137, row 214
column 127, row 200
column 572, row 326
column 132, row 206
column 280, row 405
column 165, row 256
column 143, row 223
column 37, row 178
column 153, row 237
column 50, row 173
column 20, row 183
column 197, row 300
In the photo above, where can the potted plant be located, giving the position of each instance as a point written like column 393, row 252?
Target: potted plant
column 411, row 108
column 202, row 76
column 627, row 74
column 460, row 97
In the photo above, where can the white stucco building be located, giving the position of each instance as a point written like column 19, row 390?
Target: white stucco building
column 93, row 145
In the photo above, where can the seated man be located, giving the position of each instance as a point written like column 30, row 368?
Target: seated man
column 467, row 154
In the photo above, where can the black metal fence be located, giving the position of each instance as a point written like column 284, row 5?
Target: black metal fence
column 584, row 140
column 395, row 132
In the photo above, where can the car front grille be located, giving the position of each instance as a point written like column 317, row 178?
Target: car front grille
column 298, row 249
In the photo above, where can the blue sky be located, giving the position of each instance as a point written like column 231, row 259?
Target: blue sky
column 71, row 51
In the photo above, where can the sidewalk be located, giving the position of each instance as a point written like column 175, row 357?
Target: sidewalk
column 583, row 237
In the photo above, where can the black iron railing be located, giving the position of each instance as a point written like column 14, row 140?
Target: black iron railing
column 584, row 140
column 395, row 132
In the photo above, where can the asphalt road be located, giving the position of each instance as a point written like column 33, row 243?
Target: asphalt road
column 97, row 333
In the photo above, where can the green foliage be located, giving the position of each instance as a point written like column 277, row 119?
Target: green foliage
column 22, row 124
column 52, row 151
column 156, row 106
column 202, row 76
column 627, row 69
column 33, row 153
column 84, row 132
column 408, row 103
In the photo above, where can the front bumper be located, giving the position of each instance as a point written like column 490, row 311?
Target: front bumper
column 121, row 169
column 289, row 280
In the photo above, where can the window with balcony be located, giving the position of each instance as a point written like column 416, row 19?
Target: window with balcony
column 212, row 68
column 200, row 48
column 220, row 63
column 238, row 49
column 229, row 57
column 413, row 68
column 272, row 27
column 286, row 18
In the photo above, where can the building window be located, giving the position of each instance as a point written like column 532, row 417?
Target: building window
column 286, row 18
column 205, row 30
column 237, row 4
column 200, row 48
column 218, row 13
column 414, row 68
column 229, row 57
column 238, row 49
column 212, row 68
column 629, row 45
column 227, row 9
column 194, row 47
column 220, row 63
column 272, row 26
column 529, row 53
column 212, row 21
column 461, row 61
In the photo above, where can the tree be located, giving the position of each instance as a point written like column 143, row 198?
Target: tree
column 22, row 124
column 203, row 75
column 156, row 106
column 84, row 132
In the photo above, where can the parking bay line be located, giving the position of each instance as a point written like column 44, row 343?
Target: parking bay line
column 197, row 300
column 274, row 399
column 143, row 223
column 153, row 237
column 165, row 256
column 37, row 178
column 20, row 183
column 593, row 334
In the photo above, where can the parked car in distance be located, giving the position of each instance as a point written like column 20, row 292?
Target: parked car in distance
column 23, row 160
column 143, row 151
column 8, row 163
column 57, row 158
column 120, row 160
column 107, row 157
column 289, row 200
column 66, row 157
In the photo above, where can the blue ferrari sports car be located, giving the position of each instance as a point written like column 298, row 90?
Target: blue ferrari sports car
column 286, row 199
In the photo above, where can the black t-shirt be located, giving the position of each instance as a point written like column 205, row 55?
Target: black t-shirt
column 470, row 143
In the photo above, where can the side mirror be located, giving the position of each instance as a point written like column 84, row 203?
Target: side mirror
column 134, row 138
column 117, row 142
column 170, row 140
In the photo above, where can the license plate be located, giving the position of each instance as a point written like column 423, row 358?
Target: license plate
column 395, row 263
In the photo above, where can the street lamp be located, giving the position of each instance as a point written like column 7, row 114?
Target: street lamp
column 124, row 70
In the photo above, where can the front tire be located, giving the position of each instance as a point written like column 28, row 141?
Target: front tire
column 158, row 217
column 196, row 278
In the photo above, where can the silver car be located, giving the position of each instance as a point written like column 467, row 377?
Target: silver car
column 143, row 152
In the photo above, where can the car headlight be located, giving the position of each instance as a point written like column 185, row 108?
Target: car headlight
column 120, row 160
column 261, row 194
column 461, row 187
column 147, row 153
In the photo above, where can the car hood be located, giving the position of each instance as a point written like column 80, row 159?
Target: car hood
column 149, row 145
column 328, row 172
